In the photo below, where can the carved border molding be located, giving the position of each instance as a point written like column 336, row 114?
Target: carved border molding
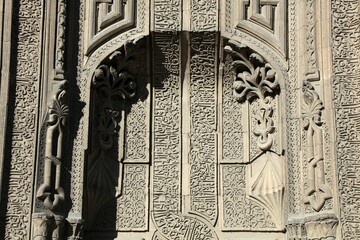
column 345, row 82
column 263, row 20
column 108, row 18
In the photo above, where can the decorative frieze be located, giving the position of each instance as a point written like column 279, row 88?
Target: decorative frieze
column 21, row 132
column 204, row 15
column 167, row 15
column 346, row 90
column 203, row 121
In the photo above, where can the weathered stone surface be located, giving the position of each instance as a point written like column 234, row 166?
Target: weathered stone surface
column 190, row 119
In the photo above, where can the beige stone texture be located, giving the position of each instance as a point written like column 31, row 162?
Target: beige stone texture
column 179, row 119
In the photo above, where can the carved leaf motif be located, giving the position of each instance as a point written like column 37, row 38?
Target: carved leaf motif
column 111, row 83
column 108, row 126
column 112, row 80
column 254, row 78
column 51, row 193
column 317, row 190
column 312, row 107
column 58, row 111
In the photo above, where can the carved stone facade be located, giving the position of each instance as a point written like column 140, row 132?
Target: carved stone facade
column 179, row 120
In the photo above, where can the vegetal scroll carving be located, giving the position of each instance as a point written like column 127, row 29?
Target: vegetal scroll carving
column 111, row 83
column 318, row 191
column 50, row 191
column 256, row 82
column 255, row 79
column 115, row 85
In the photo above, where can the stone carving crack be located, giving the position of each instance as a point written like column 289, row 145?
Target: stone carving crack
column 312, row 108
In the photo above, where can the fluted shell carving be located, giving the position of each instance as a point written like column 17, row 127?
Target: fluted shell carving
column 256, row 84
column 115, row 86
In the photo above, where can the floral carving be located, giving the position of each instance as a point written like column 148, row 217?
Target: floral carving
column 50, row 192
column 113, row 80
column 255, row 79
column 256, row 85
column 115, row 83
column 111, row 84
column 312, row 108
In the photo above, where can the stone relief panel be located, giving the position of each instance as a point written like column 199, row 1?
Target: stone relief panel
column 167, row 15
column 50, row 191
column 184, row 173
column 204, row 15
column 317, row 190
column 167, row 137
column 203, row 121
column 346, row 83
column 255, row 87
column 197, row 151
column 21, row 132
column 117, row 189
column 86, row 68
column 239, row 212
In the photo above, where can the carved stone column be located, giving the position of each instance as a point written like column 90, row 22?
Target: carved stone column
column 48, row 221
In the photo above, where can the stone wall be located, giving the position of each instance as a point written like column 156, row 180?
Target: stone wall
column 176, row 119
